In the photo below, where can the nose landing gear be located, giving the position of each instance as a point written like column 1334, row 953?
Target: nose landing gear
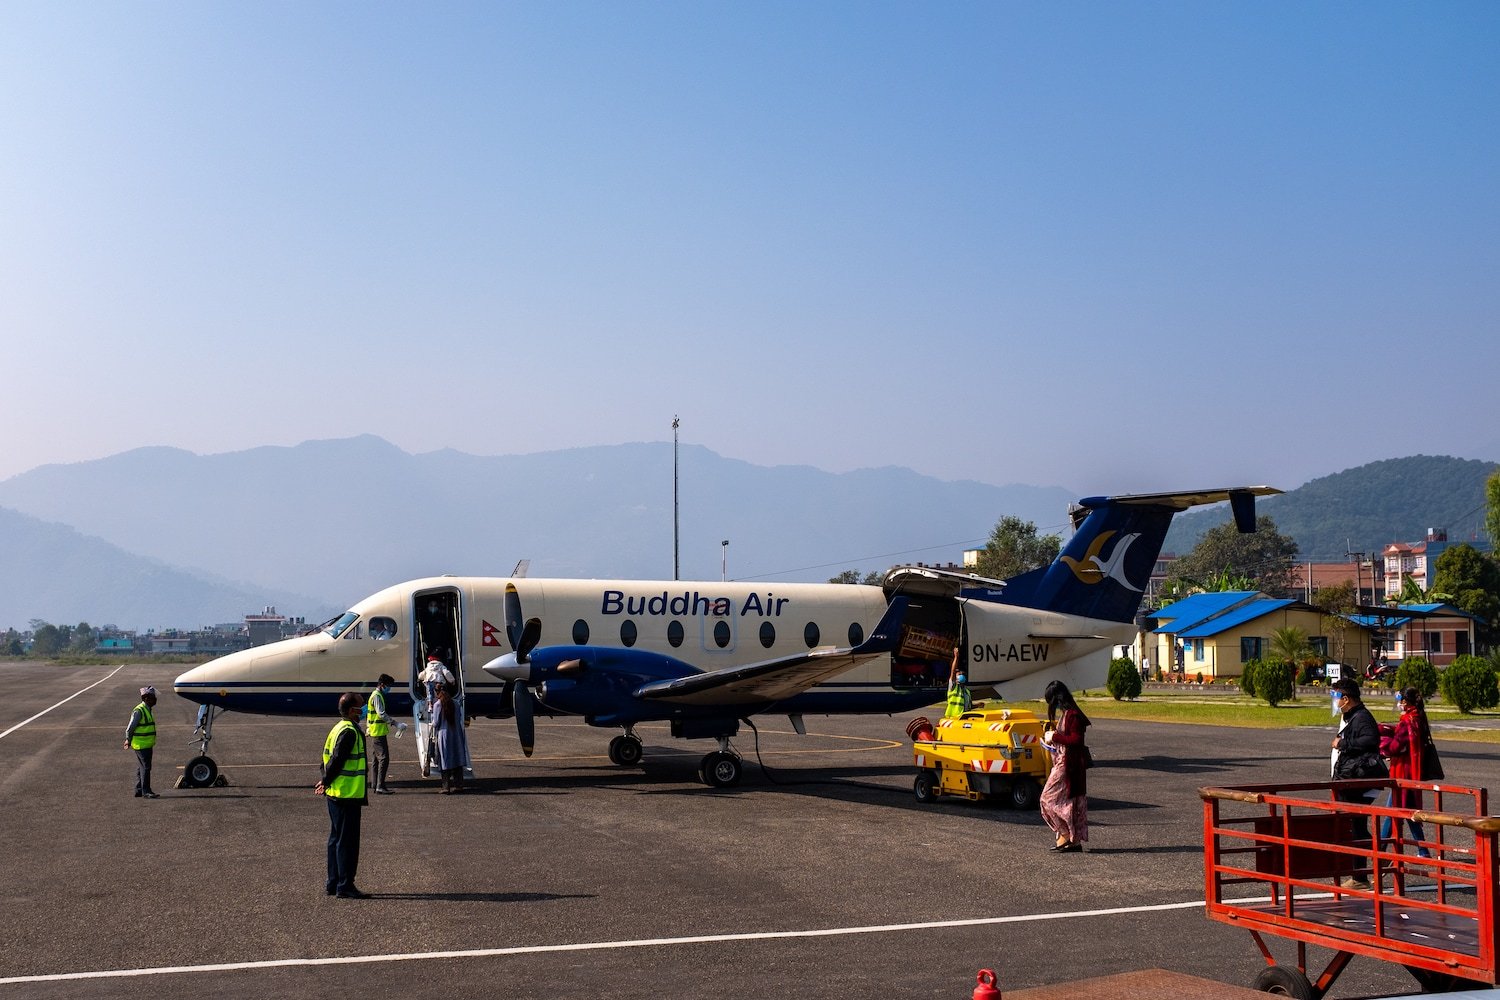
column 202, row 771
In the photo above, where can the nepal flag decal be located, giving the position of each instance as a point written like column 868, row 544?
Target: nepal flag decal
column 490, row 633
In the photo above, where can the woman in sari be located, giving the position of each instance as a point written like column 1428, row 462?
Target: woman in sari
column 1065, row 797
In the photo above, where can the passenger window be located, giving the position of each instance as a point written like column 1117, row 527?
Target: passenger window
column 580, row 633
column 721, row 635
column 627, row 633
column 856, row 634
column 674, row 633
column 767, row 634
column 382, row 629
column 811, row 635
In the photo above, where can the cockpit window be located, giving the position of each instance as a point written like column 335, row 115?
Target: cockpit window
column 382, row 628
column 337, row 626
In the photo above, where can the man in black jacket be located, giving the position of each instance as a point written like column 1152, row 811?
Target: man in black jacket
column 1358, row 746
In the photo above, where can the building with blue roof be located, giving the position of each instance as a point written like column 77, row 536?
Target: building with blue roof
column 1217, row 634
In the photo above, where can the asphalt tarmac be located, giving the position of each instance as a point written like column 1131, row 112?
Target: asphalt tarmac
column 566, row 876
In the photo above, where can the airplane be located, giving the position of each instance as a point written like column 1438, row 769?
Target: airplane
column 705, row 656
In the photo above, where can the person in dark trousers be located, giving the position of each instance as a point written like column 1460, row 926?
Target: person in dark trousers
column 1358, row 747
column 377, row 726
column 140, row 736
column 343, row 785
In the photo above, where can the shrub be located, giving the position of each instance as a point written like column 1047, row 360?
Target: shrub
column 1247, row 677
column 1124, row 679
column 1417, row 672
column 1469, row 683
column 1273, row 682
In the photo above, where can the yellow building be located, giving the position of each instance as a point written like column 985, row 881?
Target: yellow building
column 1217, row 634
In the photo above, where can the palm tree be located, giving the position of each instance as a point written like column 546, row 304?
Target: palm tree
column 1290, row 644
column 1411, row 593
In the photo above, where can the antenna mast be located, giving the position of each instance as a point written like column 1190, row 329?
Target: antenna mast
column 675, row 566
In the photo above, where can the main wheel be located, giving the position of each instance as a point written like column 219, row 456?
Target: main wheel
column 625, row 751
column 200, row 772
column 720, row 769
column 925, row 787
column 1284, row 982
column 1025, row 793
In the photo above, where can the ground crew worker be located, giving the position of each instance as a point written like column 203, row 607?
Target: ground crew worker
column 343, row 785
column 377, row 726
column 959, row 699
column 140, row 736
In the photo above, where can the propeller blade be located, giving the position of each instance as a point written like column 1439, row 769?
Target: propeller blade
column 513, row 617
column 531, row 634
column 525, row 724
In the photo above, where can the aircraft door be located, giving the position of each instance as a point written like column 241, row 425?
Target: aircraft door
column 933, row 626
column 437, row 620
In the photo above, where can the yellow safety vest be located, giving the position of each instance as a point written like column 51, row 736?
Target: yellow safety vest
column 376, row 721
column 350, row 784
column 958, row 701
column 144, row 737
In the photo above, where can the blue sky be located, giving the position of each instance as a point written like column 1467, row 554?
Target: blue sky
column 1113, row 247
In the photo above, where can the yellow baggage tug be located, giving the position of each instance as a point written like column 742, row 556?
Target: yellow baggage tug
column 982, row 754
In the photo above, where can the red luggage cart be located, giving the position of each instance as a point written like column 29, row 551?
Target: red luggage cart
column 1282, row 860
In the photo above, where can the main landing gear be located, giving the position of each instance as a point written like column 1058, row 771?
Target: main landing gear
column 722, row 767
column 626, row 749
column 201, row 771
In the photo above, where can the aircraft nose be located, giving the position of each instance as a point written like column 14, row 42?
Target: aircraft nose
column 507, row 669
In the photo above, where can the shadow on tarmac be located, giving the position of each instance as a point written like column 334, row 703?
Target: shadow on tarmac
column 481, row 897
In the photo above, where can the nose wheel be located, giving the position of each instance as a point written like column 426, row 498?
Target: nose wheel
column 201, row 771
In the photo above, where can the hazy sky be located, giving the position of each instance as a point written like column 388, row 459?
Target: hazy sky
column 1114, row 247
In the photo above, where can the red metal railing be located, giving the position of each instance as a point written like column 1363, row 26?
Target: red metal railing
column 1302, row 849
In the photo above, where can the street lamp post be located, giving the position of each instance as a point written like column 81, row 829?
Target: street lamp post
column 724, row 560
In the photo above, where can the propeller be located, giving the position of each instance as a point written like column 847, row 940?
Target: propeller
column 522, row 703
column 523, row 634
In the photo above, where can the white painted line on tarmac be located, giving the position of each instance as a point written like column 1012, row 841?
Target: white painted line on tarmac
column 69, row 698
column 540, row 949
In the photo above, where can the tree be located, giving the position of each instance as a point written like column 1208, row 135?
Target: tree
column 1124, row 680
column 1469, row 683
column 1337, row 604
column 1412, row 592
column 1492, row 509
column 1473, row 581
column 1263, row 558
column 871, row 578
column 1417, row 672
column 84, row 639
column 1268, row 679
column 1290, row 645
column 1015, row 547
column 46, row 641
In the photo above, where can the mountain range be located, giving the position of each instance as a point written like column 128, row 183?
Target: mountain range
column 337, row 520
column 163, row 537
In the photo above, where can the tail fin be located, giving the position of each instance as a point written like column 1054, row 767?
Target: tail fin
column 1103, row 570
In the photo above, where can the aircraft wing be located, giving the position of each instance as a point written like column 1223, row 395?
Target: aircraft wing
column 783, row 677
column 769, row 680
